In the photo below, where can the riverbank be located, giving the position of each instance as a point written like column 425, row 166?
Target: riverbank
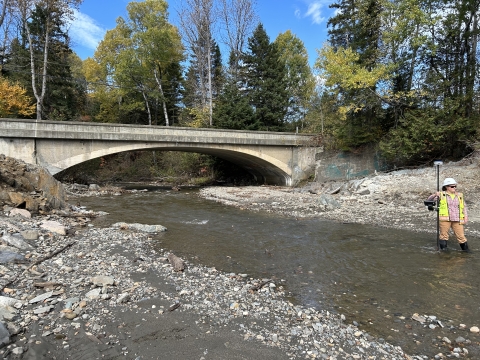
column 390, row 200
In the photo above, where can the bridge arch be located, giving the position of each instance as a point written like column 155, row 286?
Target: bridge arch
column 264, row 168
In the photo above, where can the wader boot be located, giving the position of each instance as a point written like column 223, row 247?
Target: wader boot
column 464, row 247
column 443, row 244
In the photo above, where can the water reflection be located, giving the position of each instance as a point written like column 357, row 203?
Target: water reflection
column 374, row 276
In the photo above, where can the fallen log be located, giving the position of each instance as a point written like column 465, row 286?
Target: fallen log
column 49, row 256
column 48, row 284
column 174, row 307
column 260, row 285
column 176, row 262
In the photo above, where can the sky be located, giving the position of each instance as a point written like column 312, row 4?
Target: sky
column 306, row 19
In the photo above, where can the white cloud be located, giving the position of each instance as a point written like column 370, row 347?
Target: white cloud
column 314, row 11
column 84, row 31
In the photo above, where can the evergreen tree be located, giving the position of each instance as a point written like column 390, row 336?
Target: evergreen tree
column 232, row 110
column 265, row 82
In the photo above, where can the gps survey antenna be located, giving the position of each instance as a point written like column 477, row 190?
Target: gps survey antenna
column 437, row 164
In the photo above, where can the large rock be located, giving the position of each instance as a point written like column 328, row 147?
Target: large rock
column 28, row 186
column 140, row 227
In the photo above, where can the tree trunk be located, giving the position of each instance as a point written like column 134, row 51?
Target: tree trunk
column 210, row 92
column 39, row 97
column 164, row 104
column 148, row 107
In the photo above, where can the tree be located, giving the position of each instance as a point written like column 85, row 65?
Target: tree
column 405, row 72
column 355, row 33
column 238, row 18
column 53, row 14
column 3, row 10
column 157, row 41
column 196, row 21
column 299, row 78
column 141, row 56
column 266, row 82
column 233, row 110
column 13, row 100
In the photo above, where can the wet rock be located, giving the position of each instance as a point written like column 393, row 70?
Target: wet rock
column 140, row 227
column 460, row 340
column 11, row 257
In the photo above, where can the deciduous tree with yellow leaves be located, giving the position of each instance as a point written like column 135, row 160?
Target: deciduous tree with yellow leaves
column 13, row 100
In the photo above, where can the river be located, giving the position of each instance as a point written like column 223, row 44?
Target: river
column 376, row 277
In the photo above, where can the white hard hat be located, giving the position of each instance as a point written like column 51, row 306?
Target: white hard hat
column 449, row 181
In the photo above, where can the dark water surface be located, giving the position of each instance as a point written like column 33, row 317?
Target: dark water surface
column 377, row 277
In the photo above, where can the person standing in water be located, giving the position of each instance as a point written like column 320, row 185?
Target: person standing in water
column 452, row 213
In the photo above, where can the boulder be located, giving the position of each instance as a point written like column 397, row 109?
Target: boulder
column 329, row 201
column 140, row 227
column 20, row 212
column 16, row 241
column 29, row 186
column 93, row 187
column 54, row 226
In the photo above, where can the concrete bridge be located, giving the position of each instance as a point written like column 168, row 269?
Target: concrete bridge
column 272, row 158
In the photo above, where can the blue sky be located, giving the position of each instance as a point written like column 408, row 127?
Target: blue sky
column 306, row 19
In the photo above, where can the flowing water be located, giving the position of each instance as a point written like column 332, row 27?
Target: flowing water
column 374, row 276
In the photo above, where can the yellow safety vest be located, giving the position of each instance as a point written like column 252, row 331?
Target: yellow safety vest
column 443, row 208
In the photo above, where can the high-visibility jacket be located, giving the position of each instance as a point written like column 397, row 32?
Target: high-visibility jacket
column 443, row 207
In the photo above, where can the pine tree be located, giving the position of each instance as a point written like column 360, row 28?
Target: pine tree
column 232, row 110
column 265, row 82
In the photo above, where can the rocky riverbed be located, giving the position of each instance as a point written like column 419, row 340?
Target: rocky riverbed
column 391, row 200
column 71, row 290
column 74, row 291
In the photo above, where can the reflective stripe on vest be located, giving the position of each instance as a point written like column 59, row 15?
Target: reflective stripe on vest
column 443, row 208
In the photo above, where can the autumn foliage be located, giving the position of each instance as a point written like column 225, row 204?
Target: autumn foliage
column 13, row 100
